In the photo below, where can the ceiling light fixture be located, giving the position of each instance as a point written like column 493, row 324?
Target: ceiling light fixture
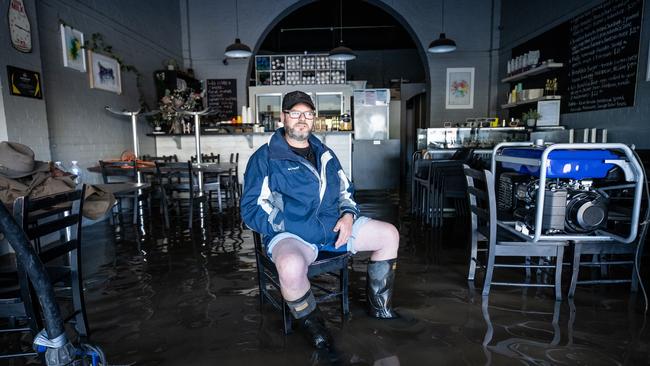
column 237, row 49
column 341, row 53
column 442, row 44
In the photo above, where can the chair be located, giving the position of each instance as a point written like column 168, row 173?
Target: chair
column 40, row 218
column 17, row 307
column 482, row 199
column 230, row 181
column 119, row 172
column 599, row 251
column 335, row 264
column 177, row 178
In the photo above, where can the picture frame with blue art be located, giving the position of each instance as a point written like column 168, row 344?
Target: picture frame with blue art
column 104, row 72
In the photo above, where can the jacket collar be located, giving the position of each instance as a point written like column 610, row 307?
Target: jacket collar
column 279, row 148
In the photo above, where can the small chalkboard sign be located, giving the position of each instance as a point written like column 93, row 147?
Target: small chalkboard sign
column 222, row 98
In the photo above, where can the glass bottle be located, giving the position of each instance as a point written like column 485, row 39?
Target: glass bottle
column 77, row 172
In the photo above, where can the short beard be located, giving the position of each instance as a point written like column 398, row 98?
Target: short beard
column 298, row 136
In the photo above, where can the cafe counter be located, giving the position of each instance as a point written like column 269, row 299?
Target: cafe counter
column 245, row 144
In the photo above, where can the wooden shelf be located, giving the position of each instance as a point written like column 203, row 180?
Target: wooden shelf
column 534, row 71
column 528, row 101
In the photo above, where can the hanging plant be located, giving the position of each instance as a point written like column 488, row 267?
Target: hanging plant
column 97, row 43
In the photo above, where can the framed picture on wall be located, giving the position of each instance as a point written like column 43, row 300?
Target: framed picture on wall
column 72, row 42
column 104, row 73
column 459, row 92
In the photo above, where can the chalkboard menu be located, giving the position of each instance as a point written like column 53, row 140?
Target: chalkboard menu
column 600, row 51
column 222, row 98
column 604, row 56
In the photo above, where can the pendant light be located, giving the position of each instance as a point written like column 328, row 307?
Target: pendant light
column 442, row 44
column 341, row 53
column 237, row 49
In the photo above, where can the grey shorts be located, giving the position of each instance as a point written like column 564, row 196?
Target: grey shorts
column 349, row 246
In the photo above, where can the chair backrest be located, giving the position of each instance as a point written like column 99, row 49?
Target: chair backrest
column 43, row 216
column 482, row 201
column 177, row 176
column 234, row 158
column 208, row 158
column 162, row 159
column 118, row 171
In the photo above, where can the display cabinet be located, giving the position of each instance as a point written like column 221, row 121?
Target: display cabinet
column 313, row 69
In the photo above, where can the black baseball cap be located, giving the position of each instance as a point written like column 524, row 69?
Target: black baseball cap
column 295, row 97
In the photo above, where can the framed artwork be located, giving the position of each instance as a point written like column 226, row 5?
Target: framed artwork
column 72, row 42
column 24, row 83
column 459, row 93
column 104, row 73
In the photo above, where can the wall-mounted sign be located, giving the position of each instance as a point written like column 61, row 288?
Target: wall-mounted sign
column 24, row 83
column 19, row 28
column 222, row 97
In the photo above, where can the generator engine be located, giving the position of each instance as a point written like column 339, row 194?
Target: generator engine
column 571, row 206
column 572, row 202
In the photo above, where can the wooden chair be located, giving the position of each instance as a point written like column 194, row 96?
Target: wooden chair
column 335, row 264
column 42, row 217
column 178, row 178
column 482, row 199
column 125, row 171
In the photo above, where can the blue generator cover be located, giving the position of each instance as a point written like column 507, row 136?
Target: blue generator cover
column 570, row 164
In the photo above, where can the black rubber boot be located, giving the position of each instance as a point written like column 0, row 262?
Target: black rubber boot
column 314, row 325
column 311, row 320
column 379, row 288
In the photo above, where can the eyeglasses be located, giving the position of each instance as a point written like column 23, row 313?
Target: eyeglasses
column 296, row 114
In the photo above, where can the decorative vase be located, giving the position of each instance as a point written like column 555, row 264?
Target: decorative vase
column 531, row 122
column 157, row 128
column 177, row 127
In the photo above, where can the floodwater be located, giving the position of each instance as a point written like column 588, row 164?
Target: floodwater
column 157, row 297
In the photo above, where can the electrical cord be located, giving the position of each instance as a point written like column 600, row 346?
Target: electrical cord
column 642, row 235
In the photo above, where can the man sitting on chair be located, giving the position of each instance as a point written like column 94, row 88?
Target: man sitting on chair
column 298, row 198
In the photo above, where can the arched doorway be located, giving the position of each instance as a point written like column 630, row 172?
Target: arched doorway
column 388, row 50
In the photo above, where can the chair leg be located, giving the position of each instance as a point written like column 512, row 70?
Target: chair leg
column 558, row 272
column 575, row 270
column 286, row 318
column 488, row 274
column 345, row 304
column 78, row 301
column 473, row 258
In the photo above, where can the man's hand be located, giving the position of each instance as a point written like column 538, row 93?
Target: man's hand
column 344, row 228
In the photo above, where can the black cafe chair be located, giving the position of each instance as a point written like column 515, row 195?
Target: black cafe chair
column 334, row 264
column 42, row 219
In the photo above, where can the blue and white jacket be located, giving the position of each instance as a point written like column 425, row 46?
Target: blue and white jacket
column 284, row 192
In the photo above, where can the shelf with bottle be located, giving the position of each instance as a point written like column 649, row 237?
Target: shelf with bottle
column 545, row 66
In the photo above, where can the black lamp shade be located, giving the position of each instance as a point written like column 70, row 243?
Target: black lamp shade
column 442, row 45
column 238, row 50
column 341, row 53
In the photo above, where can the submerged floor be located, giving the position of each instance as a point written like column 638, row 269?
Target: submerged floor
column 170, row 299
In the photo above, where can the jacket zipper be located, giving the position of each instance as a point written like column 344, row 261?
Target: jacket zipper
column 313, row 170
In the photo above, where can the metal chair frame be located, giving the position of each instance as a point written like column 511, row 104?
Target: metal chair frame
column 335, row 264
column 483, row 208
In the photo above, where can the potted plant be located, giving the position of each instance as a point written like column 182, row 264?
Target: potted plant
column 531, row 117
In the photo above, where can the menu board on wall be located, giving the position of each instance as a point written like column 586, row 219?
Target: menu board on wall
column 604, row 56
column 222, row 97
column 600, row 52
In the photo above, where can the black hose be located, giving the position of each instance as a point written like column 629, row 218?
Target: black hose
column 36, row 271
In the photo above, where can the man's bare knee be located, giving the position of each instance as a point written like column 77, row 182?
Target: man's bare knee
column 291, row 266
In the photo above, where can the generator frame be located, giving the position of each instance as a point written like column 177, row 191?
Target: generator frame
column 631, row 168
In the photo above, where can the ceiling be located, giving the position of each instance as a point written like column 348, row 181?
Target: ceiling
column 371, row 29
